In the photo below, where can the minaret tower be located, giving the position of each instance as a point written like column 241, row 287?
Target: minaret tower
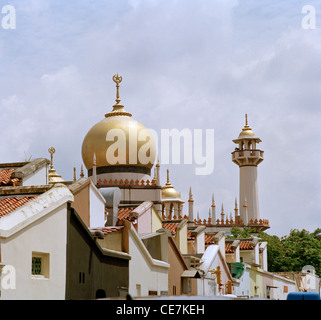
column 248, row 157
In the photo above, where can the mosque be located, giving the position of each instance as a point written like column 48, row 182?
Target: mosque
column 120, row 153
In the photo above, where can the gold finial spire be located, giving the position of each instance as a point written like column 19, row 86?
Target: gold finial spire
column 168, row 177
column 246, row 123
column 75, row 174
column 53, row 176
column 82, row 171
column 117, row 79
column 51, row 150
column 118, row 109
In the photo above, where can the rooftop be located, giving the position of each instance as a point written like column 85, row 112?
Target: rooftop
column 6, row 179
column 8, row 205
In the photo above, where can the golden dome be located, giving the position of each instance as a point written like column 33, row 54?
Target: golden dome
column 246, row 131
column 168, row 191
column 116, row 143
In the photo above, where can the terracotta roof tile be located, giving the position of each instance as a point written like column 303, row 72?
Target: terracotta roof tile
column 189, row 235
column 209, row 239
column 228, row 248
column 246, row 245
column 107, row 230
column 5, row 177
column 124, row 213
column 8, row 205
column 171, row 226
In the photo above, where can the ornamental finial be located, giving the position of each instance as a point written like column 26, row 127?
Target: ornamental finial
column 51, row 150
column 118, row 109
column 117, row 79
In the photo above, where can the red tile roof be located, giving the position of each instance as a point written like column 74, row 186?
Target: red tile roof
column 228, row 248
column 189, row 235
column 5, row 177
column 8, row 205
column 171, row 226
column 209, row 239
column 246, row 245
column 124, row 213
column 107, row 230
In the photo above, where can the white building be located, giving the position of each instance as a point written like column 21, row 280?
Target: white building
column 33, row 247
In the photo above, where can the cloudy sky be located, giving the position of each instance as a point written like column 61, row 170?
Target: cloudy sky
column 195, row 64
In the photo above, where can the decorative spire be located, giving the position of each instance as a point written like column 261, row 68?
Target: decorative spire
column 222, row 212
column 245, row 212
column 213, row 201
column 52, row 151
column 53, row 176
column 117, row 79
column 236, row 210
column 75, row 174
column 118, row 109
column 246, row 127
column 82, row 171
column 158, row 183
column 190, row 206
column 213, row 206
column 190, row 195
column 168, row 183
column 94, row 175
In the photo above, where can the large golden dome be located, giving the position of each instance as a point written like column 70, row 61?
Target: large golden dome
column 119, row 143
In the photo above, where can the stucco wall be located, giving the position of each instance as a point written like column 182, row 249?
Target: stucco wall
column 89, row 270
column 145, row 273
column 97, row 209
column 176, row 270
column 46, row 235
column 38, row 178
column 81, row 204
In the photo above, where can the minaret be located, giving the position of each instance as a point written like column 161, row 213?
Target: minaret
column 94, row 176
column 213, row 206
column 158, row 174
column 222, row 213
column 190, row 206
column 248, row 157
column 236, row 212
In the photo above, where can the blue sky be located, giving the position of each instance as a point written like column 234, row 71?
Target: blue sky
column 185, row 64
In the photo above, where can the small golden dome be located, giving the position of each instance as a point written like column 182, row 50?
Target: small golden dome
column 246, row 131
column 136, row 148
column 168, row 191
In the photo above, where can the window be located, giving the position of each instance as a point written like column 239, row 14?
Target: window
column 81, row 277
column 138, row 290
column 36, row 265
column 40, row 265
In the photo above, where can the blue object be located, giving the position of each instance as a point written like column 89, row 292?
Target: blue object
column 303, row 296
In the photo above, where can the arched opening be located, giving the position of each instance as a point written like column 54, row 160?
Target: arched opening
column 100, row 294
